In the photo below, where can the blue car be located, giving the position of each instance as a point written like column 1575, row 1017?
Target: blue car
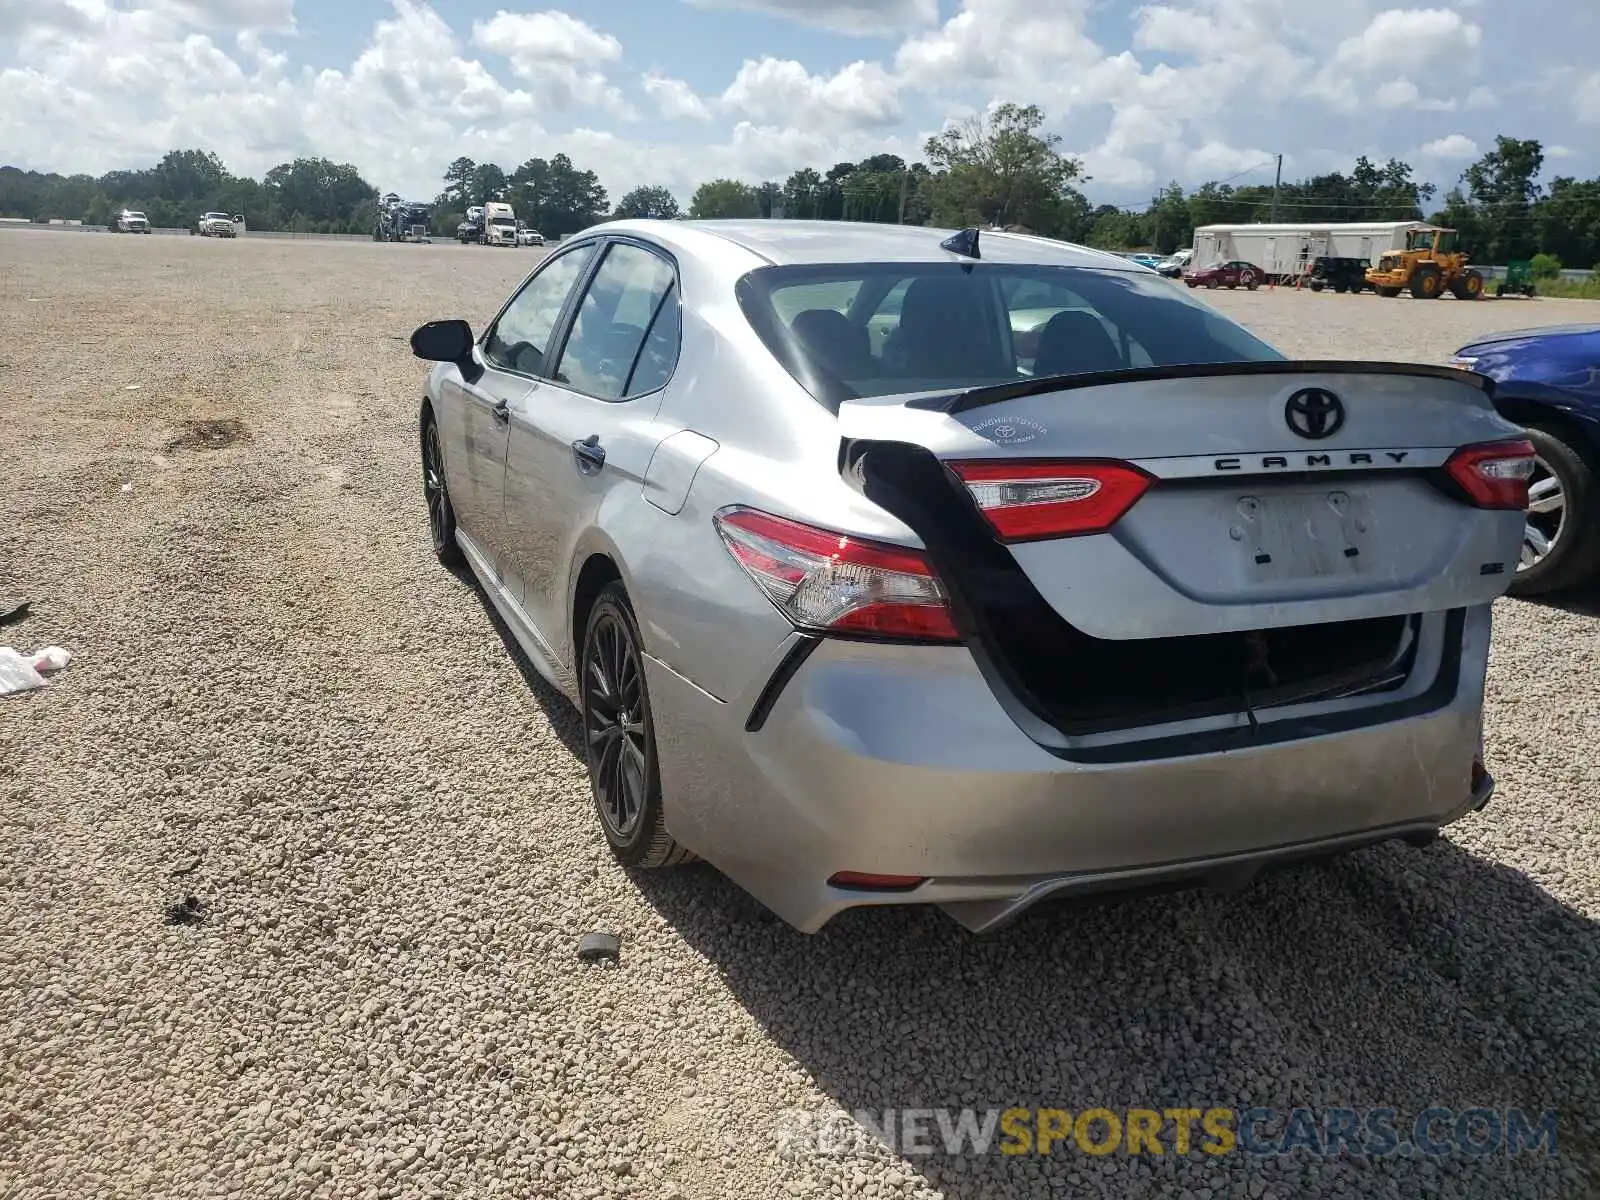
column 1548, row 381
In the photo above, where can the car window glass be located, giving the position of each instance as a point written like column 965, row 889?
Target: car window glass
column 935, row 327
column 612, row 321
column 521, row 336
column 835, row 294
column 659, row 357
column 1054, row 324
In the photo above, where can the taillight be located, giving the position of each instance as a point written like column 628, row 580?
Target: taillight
column 831, row 583
column 1028, row 500
column 1494, row 474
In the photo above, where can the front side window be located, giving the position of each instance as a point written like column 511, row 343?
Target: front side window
column 519, row 339
column 936, row 326
column 618, row 315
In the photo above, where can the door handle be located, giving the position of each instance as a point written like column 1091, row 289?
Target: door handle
column 590, row 453
column 501, row 411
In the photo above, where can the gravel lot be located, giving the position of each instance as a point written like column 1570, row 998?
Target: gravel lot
column 284, row 709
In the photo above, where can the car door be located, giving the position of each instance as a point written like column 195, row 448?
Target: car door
column 583, row 434
column 512, row 354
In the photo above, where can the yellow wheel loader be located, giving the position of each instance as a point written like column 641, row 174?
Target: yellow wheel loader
column 1429, row 266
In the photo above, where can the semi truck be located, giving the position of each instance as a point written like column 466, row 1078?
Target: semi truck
column 401, row 220
column 499, row 224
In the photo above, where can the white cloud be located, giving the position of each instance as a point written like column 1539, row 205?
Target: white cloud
column 558, row 55
column 274, row 15
column 860, row 95
column 1198, row 89
column 1403, row 38
column 1018, row 46
column 1397, row 93
column 1452, row 146
column 674, row 97
column 843, row 16
column 1586, row 98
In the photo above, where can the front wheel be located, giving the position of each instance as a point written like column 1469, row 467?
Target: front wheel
column 619, row 736
column 441, row 513
column 1561, row 537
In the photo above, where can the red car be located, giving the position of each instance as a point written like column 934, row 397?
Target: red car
column 1228, row 274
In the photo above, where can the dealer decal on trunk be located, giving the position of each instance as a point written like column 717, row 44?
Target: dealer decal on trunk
column 1010, row 431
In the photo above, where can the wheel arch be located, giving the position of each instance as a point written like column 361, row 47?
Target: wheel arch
column 1525, row 409
column 598, row 569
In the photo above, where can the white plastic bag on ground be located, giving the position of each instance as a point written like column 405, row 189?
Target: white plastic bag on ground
column 17, row 674
column 23, row 672
column 51, row 658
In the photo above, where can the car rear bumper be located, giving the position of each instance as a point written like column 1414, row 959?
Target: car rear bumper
column 899, row 760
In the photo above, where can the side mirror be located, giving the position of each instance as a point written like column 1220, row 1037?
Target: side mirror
column 447, row 341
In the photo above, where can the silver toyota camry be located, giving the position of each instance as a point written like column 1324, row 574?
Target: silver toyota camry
column 890, row 565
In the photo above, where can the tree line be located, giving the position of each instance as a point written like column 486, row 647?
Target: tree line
column 1000, row 169
column 308, row 195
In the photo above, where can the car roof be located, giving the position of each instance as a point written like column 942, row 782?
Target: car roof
column 783, row 242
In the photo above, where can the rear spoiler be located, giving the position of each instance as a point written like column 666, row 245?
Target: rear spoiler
column 959, row 402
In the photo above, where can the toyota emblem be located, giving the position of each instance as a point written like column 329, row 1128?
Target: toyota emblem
column 1314, row 413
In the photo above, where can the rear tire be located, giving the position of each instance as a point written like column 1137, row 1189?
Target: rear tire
column 1574, row 558
column 619, row 736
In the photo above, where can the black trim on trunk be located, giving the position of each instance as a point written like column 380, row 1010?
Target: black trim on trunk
column 1271, row 733
column 792, row 662
column 966, row 401
column 1057, row 682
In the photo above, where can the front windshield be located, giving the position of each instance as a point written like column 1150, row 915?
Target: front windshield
column 502, row 221
column 885, row 329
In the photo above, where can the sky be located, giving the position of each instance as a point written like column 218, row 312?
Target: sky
column 674, row 92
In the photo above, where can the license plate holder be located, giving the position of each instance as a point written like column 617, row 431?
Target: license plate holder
column 1321, row 534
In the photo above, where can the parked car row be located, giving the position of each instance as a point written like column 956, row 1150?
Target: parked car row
column 915, row 623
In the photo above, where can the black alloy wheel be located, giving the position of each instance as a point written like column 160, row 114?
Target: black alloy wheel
column 619, row 736
column 441, row 516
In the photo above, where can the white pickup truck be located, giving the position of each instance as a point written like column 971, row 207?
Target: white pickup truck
column 215, row 224
column 128, row 221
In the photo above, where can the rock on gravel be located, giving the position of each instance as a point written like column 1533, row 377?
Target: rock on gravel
column 283, row 716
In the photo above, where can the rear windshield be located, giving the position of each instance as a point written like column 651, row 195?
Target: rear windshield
column 882, row 329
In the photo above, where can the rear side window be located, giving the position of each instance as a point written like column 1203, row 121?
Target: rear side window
column 885, row 329
column 617, row 324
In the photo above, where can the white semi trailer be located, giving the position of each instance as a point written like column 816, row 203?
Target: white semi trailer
column 1287, row 251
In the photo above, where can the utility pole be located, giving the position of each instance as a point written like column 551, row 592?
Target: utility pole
column 1277, row 184
column 905, row 184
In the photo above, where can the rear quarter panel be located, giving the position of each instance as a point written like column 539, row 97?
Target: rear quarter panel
column 776, row 450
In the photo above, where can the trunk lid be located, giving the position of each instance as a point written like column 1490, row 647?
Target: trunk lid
column 1261, row 513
